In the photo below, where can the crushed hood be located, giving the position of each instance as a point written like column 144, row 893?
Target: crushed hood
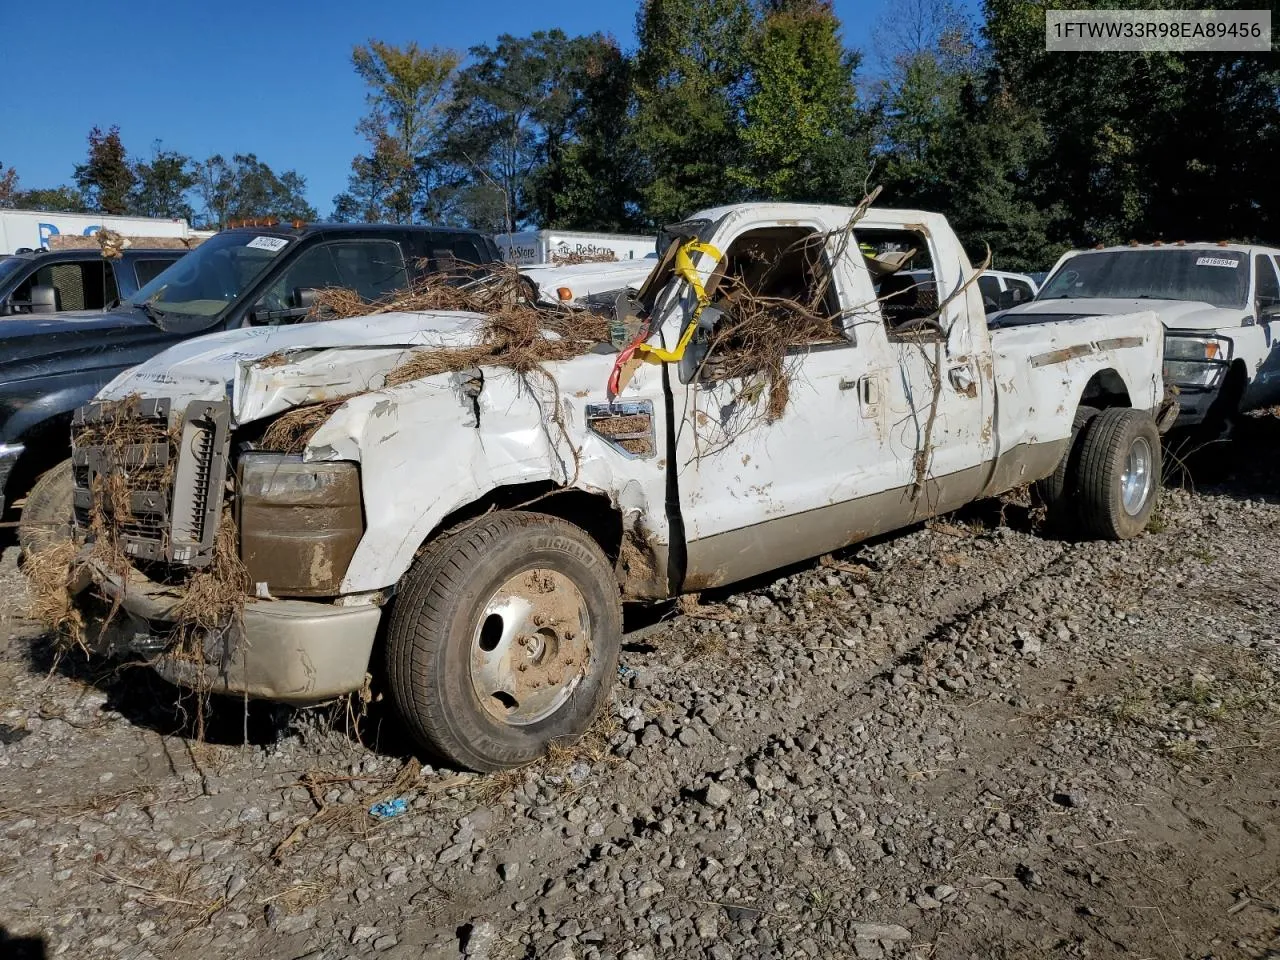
column 310, row 362
column 1174, row 314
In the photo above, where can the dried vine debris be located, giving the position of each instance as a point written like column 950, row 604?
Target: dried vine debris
column 513, row 333
column 573, row 259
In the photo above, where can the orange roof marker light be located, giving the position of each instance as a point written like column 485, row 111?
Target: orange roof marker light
column 564, row 293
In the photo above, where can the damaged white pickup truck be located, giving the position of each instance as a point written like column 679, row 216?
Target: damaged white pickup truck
column 779, row 388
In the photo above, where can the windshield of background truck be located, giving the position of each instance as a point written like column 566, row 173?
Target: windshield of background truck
column 212, row 276
column 9, row 266
column 1218, row 276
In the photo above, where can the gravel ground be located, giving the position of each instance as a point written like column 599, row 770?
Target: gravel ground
column 968, row 741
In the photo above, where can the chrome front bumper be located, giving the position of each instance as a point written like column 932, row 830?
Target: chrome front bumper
column 292, row 651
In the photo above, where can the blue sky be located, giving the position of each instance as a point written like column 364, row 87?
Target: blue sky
column 234, row 76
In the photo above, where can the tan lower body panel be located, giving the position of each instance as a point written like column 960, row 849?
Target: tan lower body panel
column 748, row 551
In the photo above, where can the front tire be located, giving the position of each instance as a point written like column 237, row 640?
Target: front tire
column 1118, row 482
column 504, row 640
column 47, row 513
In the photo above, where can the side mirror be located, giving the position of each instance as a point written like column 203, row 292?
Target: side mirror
column 44, row 300
column 1268, row 310
column 304, row 298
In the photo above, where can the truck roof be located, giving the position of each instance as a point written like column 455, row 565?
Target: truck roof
column 299, row 228
column 826, row 213
column 1183, row 245
column 90, row 253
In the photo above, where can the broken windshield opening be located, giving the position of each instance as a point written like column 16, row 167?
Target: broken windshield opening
column 1218, row 277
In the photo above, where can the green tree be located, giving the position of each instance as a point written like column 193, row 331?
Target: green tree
column 594, row 185
column 514, row 119
column 63, row 199
column 8, row 186
column 803, row 137
column 408, row 88
column 247, row 188
column 929, row 61
column 690, row 80
column 1145, row 145
column 106, row 178
column 162, row 184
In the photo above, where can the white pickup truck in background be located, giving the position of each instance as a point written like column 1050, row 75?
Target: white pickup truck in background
column 490, row 522
column 580, row 284
column 1219, row 303
column 549, row 246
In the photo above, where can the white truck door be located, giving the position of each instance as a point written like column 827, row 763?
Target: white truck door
column 760, row 487
column 941, row 395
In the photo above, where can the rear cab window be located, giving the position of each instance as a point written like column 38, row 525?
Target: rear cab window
column 146, row 270
column 900, row 264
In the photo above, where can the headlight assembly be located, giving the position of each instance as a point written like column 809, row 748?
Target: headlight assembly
column 1195, row 363
column 1188, row 373
column 300, row 522
column 1196, row 348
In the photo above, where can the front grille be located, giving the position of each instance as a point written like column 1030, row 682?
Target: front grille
column 151, row 480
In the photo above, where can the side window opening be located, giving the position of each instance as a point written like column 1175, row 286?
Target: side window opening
column 785, row 272
column 989, row 287
column 1268, row 289
column 79, row 285
column 772, row 296
column 148, row 270
column 370, row 268
column 902, row 274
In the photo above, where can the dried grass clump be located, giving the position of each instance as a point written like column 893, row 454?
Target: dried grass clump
column 213, row 596
column 216, row 594
column 573, row 259
column 49, row 572
column 514, row 333
column 291, row 431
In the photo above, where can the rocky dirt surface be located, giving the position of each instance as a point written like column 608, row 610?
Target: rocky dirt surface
column 968, row 741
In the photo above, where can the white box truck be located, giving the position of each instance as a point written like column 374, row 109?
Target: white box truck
column 546, row 246
column 31, row 229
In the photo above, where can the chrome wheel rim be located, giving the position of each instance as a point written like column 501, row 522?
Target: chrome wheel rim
column 531, row 647
column 1136, row 481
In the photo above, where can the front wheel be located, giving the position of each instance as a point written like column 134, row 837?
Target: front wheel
column 47, row 513
column 504, row 640
column 1118, row 479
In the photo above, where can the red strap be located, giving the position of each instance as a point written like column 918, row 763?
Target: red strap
column 627, row 353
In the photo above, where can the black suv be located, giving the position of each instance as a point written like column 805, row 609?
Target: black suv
column 51, row 364
column 52, row 281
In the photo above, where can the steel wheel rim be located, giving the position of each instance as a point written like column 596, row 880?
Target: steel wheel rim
column 1136, row 481
column 530, row 647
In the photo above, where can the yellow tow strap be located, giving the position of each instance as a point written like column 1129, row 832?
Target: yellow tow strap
column 685, row 271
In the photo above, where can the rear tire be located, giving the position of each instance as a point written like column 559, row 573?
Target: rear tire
column 1118, row 482
column 47, row 513
column 504, row 640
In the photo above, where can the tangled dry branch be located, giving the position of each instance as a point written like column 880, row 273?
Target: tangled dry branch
column 513, row 333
